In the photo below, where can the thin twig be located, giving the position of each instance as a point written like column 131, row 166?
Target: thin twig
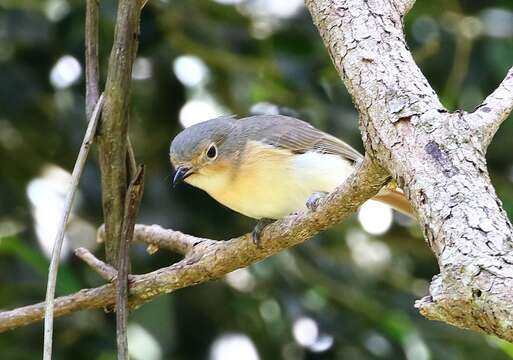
column 92, row 72
column 132, row 202
column 106, row 271
column 156, row 237
column 57, row 246
column 130, row 159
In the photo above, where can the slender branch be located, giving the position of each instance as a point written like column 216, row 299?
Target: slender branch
column 132, row 202
column 496, row 108
column 57, row 246
column 159, row 238
column 208, row 259
column 106, row 271
column 113, row 132
column 92, row 72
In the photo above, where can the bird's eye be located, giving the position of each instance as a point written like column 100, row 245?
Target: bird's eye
column 212, row 152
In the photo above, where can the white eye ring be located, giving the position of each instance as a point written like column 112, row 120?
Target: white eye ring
column 212, row 152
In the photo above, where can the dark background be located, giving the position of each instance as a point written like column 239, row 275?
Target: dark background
column 346, row 294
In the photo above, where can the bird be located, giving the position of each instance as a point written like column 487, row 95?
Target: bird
column 267, row 166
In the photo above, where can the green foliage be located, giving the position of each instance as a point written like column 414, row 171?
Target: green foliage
column 359, row 289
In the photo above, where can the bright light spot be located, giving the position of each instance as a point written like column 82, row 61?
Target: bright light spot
column 264, row 108
column 142, row 69
column 323, row 343
column 370, row 255
column 47, row 195
column 470, row 27
column 270, row 310
column 141, row 344
column 283, row 9
column 228, row 2
column 375, row 217
column 56, row 10
column 378, row 345
column 415, row 348
column 65, row 72
column 198, row 110
column 305, row 331
column 241, row 279
column 498, row 22
column 190, row 70
column 233, row 347
column 279, row 9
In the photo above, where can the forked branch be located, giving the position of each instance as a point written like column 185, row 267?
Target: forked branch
column 492, row 112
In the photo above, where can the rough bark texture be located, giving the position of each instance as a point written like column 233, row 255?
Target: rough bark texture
column 114, row 126
column 437, row 157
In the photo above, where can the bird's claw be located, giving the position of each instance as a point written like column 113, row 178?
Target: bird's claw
column 257, row 231
column 314, row 200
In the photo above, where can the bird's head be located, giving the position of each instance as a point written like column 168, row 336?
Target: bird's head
column 201, row 152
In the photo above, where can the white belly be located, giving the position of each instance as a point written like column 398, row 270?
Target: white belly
column 279, row 187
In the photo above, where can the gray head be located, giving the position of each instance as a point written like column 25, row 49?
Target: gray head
column 199, row 146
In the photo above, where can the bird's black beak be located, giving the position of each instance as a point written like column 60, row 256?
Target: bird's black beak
column 181, row 174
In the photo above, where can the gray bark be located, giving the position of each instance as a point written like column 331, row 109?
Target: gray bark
column 437, row 157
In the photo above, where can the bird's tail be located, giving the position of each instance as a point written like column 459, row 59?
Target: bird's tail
column 396, row 199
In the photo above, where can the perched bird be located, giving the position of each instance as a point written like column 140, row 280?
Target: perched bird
column 266, row 166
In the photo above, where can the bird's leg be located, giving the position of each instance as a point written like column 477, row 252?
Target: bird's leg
column 314, row 200
column 257, row 231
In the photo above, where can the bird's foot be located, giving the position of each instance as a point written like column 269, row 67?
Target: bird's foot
column 257, row 231
column 314, row 200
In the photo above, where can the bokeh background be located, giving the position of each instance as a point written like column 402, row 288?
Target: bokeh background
column 346, row 294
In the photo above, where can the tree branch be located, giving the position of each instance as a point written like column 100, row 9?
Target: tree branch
column 132, row 202
column 113, row 130
column 435, row 158
column 92, row 72
column 496, row 108
column 106, row 271
column 207, row 259
column 59, row 237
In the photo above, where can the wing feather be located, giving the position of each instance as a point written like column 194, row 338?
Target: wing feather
column 297, row 136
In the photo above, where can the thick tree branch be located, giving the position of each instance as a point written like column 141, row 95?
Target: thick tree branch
column 496, row 108
column 434, row 156
column 207, row 259
column 113, row 130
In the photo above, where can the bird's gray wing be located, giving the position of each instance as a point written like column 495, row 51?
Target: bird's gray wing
column 297, row 136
